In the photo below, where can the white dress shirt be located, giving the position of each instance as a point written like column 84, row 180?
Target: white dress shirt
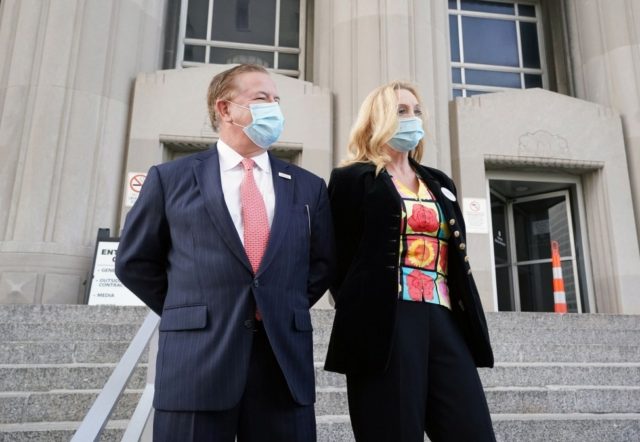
column 231, row 175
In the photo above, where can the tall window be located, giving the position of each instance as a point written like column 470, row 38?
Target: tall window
column 495, row 45
column 269, row 33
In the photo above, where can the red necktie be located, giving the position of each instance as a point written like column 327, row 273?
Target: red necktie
column 254, row 217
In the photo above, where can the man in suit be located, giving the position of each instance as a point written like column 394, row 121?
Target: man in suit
column 231, row 247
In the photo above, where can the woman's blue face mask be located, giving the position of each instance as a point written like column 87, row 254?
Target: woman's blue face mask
column 408, row 135
column 267, row 124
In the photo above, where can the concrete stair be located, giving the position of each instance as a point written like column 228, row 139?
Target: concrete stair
column 557, row 378
column 54, row 360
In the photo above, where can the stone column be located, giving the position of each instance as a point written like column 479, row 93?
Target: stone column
column 605, row 51
column 66, row 75
column 361, row 44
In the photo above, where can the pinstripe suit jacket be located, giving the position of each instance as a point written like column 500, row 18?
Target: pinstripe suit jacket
column 181, row 254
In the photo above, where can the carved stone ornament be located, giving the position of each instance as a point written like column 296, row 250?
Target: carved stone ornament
column 543, row 144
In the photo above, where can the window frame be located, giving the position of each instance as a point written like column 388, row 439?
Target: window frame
column 275, row 49
column 462, row 86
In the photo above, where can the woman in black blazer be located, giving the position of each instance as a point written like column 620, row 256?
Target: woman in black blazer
column 409, row 328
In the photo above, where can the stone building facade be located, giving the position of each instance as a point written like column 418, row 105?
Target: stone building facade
column 534, row 110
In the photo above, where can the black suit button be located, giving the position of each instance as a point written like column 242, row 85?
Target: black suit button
column 248, row 324
column 256, row 283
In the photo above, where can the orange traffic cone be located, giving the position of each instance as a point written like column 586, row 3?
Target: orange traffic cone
column 559, row 296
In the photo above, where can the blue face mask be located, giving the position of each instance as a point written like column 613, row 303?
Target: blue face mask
column 408, row 135
column 267, row 124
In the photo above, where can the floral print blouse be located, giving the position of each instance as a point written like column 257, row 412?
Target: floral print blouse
column 424, row 241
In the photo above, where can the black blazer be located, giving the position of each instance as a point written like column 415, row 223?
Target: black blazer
column 366, row 216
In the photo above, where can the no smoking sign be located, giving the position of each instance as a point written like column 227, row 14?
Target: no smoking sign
column 135, row 180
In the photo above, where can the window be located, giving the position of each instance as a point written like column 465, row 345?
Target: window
column 495, row 45
column 269, row 33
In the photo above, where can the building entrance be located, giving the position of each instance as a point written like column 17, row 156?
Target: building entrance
column 523, row 231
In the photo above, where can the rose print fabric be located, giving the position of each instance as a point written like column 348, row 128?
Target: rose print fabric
column 424, row 240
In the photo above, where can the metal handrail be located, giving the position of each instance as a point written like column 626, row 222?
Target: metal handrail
column 100, row 412
column 140, row 415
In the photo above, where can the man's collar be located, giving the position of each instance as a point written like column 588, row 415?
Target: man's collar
column 229, row 158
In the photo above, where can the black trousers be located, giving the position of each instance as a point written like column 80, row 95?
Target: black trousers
column 266, row 412
column 431, row 385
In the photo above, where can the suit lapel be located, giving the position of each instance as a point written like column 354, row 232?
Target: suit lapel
column 383, row 195
column 207, row 174
column 283, row 189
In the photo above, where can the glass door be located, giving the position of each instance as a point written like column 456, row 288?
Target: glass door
column 501, row 252
column 523, row 230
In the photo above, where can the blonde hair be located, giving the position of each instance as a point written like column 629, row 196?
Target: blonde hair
column 377, row 122
column 223, row 86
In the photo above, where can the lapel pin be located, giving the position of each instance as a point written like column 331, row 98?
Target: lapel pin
column 446, row 192
column 284, row 175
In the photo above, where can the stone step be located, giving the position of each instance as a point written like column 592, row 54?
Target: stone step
column 34, row 378
column 540, row 336
column 561, row 373
column 64, row 332
column 516, row 374
column 529, row 320
column 623, row 427
column 59, row 406
column 523, row 400
column 81, row 352
column 569, row 321
column 522, row 352
column 99, row 323
column 566, row 337
column 57, row 352
column 72, row 405
column 88, row 331
column 56, row 431
column 530, row 352
column 67, row 313
column 322, row 318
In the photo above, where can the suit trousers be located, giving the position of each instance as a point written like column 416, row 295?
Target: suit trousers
column 265, row 413
column 430, row 385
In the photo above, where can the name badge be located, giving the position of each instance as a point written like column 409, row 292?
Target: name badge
column 284, row 175
column 446, row 192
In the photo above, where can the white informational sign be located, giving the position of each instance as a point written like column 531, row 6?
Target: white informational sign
column 135, row 180
column 106, row 288
column 475, row 215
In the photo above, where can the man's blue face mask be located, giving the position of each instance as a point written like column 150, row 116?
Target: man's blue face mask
column 267, row 124
column 408, row 135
